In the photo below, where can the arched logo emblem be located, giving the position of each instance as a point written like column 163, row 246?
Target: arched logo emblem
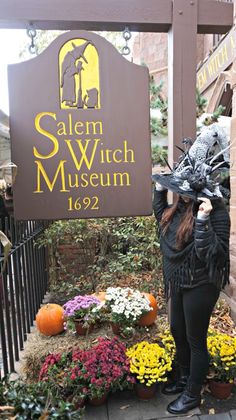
column 79, row 75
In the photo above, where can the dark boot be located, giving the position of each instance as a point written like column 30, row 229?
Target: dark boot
column 189, row 399
column 177, row 386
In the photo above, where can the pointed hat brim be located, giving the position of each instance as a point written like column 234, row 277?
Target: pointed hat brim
column 171, row 183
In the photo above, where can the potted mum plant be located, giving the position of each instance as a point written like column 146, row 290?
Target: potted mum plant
column 64, row 374
column 105, row 368
column 150, row 364
column 167, row 341
column 222, row 350
column 81, row 313
column 125, row 306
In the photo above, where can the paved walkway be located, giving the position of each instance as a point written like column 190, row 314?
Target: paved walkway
column 126, row 406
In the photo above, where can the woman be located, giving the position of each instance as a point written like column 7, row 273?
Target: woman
column 194, row 238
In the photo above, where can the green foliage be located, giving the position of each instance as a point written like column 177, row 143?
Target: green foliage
column 155, row 89
column 133, row 245
column 65, row 290
column 215, row 116
column 56, row 232
column 157, row 101
column 124, row 245
column 157, row 128
column 159, row 154
column 201, row 103
column 33, row 401
column 201, row 108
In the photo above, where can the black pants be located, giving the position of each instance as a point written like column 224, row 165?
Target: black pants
column 190, row 315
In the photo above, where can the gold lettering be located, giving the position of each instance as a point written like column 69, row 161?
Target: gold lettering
column 108, row 183
column 70, row 125
column 92, row 177
column 83, row 150
column 93, row 124
column 224, row 53
column 114, row 155
column 120, row 176
column 126, row 151
column 46, row 134
column 107, row 155
column 76, row 182
column 218, row 58
column 83, row 177
column 77, row 125
column 211, row 68
column 61, row 131
column 102, row 160
column 202, row 78
column 50, row 185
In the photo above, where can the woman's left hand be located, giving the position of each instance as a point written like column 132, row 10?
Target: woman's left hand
column 205, row 206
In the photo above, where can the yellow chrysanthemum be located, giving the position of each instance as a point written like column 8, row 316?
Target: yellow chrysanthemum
column 154, row 362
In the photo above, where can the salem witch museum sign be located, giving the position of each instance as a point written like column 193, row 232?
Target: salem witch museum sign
column 79, row 121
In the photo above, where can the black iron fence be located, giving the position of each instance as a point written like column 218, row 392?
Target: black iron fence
column 22, row 287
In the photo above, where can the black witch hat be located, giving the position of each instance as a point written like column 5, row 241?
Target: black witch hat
column 202, row 167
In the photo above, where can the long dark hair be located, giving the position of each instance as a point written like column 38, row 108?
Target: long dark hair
column 185, row 228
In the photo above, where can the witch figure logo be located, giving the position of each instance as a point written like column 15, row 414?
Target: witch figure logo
column 79, row 75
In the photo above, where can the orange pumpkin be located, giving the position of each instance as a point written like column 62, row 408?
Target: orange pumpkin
column 100, row 295
column 50, row 319
column 150, row 317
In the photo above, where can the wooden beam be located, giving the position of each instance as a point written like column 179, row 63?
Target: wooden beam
column 109, row 15
column 139, row 15
column 214, row 17
column 182, row 51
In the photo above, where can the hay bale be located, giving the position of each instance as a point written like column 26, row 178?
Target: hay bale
column 39, row 346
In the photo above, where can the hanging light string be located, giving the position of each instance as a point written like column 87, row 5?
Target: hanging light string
column 33, row 49
column 126, row 35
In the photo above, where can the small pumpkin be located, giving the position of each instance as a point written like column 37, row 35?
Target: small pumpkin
column 50, row 319
column 150, row 317
column 100, row 295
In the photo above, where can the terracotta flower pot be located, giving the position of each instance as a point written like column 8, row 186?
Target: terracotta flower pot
column 220, row 390
column 81, row 330
column 145, row 392
column 98, row 401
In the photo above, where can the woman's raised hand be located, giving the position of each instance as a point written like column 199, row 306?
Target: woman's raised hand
column 205, row 206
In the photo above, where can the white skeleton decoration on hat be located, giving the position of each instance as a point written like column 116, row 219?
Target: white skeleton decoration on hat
column 202, row 165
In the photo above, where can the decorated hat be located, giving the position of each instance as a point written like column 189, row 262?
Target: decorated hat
column 203, row 166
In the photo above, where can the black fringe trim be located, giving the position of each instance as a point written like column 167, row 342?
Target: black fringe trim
column 185, row 276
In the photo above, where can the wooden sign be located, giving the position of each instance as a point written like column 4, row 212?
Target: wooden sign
column 79, row 123
column 218, row 61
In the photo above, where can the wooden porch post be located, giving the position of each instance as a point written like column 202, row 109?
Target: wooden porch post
column 182, row 51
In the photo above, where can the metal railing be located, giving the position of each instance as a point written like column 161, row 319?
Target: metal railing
column 22, row 287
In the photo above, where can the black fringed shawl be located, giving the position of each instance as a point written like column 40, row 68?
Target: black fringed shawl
column 205, row 258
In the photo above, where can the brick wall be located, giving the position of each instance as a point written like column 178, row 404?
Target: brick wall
column 72, row 259
column 152, row 49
